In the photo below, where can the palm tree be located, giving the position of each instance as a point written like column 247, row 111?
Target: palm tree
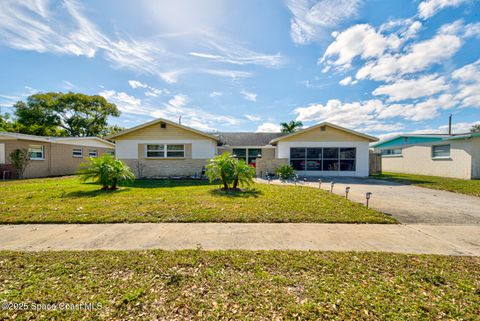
column 291, row 127
column 106, row 171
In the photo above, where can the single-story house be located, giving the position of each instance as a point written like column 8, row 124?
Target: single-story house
column 50, row 156
column 162, row 148
column 456, row 155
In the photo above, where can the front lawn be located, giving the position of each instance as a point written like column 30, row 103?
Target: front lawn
column 469, row 187
column 67, row 200
column 233, row 285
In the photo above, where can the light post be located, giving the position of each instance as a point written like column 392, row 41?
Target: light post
column 347, row 189
column 367, row 196
column 320, row 183
column 268, row 179
column 331, row 186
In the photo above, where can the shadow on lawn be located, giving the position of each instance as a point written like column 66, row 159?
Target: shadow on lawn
column 94, row 193
column 159, row 183
column 239, row 193
column 399, row 180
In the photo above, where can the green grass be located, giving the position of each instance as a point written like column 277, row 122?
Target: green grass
column 469, row 187
column 66, row 200
column 230, row 285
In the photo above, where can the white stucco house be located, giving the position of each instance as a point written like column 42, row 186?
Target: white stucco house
column 163, row 148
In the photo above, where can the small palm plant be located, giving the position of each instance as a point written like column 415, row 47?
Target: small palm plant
column 285, row 172
column 106, row 171
column 229, row 170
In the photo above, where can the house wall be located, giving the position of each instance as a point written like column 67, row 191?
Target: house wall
column 362, row 156
column 475, row 157
column 58, row 159
column 130, row 148
column 417, row 159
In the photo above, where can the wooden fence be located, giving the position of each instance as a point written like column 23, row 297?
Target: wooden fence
column 375, row 162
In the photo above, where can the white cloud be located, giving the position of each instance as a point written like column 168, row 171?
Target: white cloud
column 404, row 89
column 418, row 57
column 468, row 77
column 347, row 81
column 233, row 74
column 215, row 94
column 268, row 128
column 312, row 18
column 249, row 95
column 358, row 41
column 252, row 117
column 429, row 8
column 150, row 92
column 137, row 84
column 125, row 102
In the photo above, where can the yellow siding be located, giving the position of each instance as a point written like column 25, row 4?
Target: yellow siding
column 155, row 132
column 329, row 135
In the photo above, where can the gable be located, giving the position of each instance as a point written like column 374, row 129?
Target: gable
column 155, row 132
column 330, row 134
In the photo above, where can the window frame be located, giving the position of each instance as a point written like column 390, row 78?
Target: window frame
column 77, row 149
column 442, row 157
column 245, row 155
column 164, row 150
column 36, row 158
column 91, row 151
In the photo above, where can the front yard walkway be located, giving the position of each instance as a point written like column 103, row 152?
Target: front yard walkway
column 418, row 239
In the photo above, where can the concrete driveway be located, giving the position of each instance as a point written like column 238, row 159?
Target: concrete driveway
column 407, row 203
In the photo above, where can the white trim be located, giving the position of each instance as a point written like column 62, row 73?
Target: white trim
column 36, row 158
column 92, row 151
column 2, row 153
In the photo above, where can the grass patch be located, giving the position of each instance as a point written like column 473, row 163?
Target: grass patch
column 469, row 187
column 236, row 285
column 66, row 200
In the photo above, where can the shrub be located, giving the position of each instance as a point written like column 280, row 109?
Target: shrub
column 20, row 160
column 229, row 170
column 106, row 171
column 285, row 172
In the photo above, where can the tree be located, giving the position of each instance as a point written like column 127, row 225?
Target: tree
column 64, row 114
column 230, row 170
column 475, row 128
column 106, row 171
column 291, row 127
column 111, row 130
column 20, row 160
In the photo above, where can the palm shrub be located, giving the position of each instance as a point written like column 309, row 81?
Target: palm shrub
column 230, row 171
column 20, row 160
column 285, row 172
column 106, row 171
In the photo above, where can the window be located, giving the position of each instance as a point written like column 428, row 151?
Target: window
column 175, row 151
column 35, row 152
column 323, row 159
column 392, row 152
column 441, row 151
column 165, row 151
column 92, row 153
column 249, row 155
column 77, row 152
column 155, row 151
column 111, row 152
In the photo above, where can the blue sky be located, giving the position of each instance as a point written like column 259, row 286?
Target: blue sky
column 380, row 67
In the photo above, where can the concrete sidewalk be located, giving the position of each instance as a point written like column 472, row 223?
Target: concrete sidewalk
column 420, row 239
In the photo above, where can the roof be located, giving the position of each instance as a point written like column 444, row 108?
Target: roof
column 161, row 120
column 50, row 139
column 247, row 139
column 370, row 138
column 422, row 138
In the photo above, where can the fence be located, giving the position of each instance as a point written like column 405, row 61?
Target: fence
column 375, row 163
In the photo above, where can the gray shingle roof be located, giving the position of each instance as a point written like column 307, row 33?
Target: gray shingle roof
column 246, row 139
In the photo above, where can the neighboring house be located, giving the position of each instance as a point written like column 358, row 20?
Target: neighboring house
column 162, row 148
column 50, row 156
column 455, row 155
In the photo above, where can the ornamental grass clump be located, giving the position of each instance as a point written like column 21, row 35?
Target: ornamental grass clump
column 106, row 171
